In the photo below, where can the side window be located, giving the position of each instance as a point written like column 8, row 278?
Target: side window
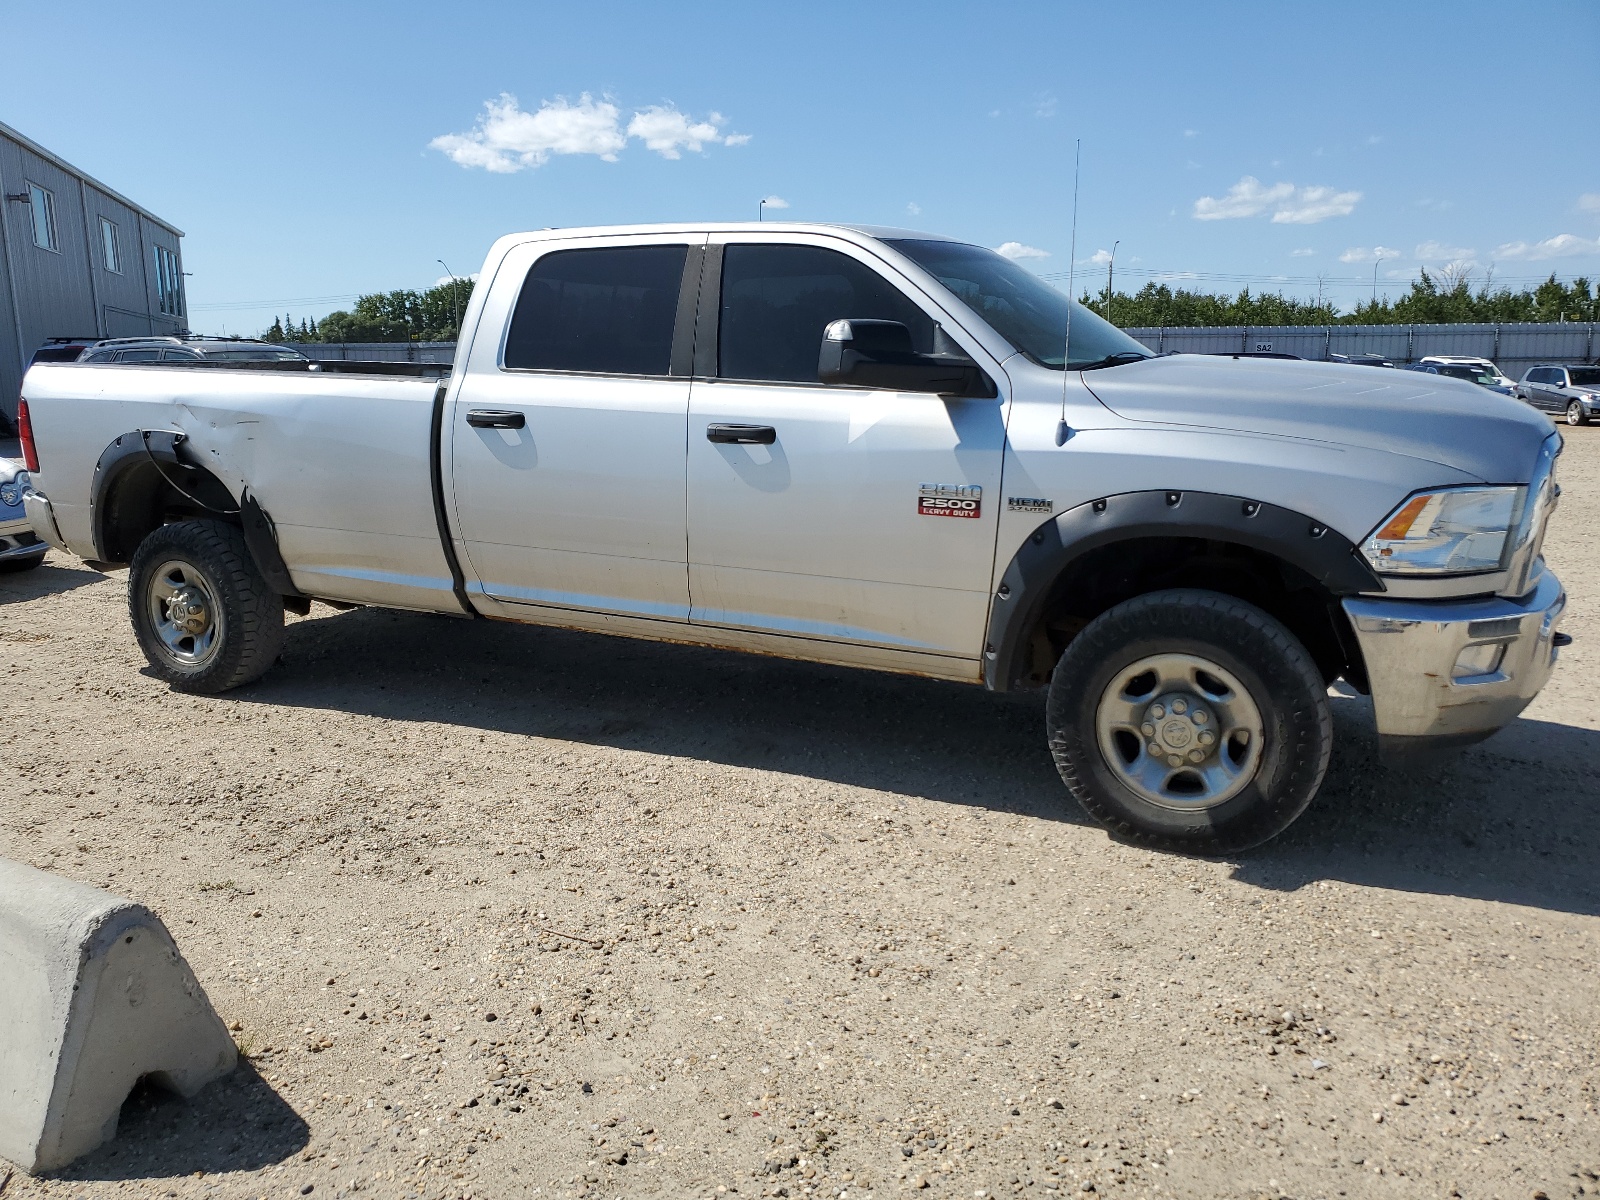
column 777, row 300
column 1558, row 377
column 610, row 309
column 179, row 356
column 110, row 250
column 1537, row 375
column 42, row 208
column 138, row 355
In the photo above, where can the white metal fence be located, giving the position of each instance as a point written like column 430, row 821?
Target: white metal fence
column 423, row 352
column 1513, row 347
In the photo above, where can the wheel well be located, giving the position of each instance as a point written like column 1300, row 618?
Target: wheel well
column 1108, row 575
column 144, row 496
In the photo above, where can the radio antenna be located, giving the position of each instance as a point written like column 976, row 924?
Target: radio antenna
column 1063, row 430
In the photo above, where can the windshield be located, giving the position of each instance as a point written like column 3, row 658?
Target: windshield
column 1021, row 307
column 1584, row 376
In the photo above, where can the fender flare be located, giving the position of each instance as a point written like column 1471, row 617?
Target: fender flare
column 165, row 449
column 1018, row 604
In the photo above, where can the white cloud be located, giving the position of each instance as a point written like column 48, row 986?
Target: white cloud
column 1191, row 133
column 1018, row 250
column 507, row 139
column 1305, row 252
column 1247, row 198
column 668, row 132
column 774, row 202
column 1432, row 251
column 1589, row 202
column 1374, row 139
column 1289, row 205
column 1100, row 257
column 1313, row 204
column 1563, row 245
column 1045, row 105
column 444, row 279
column 1360, row 254
column 914, row 209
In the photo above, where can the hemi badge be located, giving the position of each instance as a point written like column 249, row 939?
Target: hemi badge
column 949, row 500
column 1030, row 504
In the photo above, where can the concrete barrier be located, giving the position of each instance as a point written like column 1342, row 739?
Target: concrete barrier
column 94, row 996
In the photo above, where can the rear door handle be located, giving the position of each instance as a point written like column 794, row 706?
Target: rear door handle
column 495, row 418
column 742, row 435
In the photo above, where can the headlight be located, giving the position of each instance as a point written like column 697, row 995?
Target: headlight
column 1454, row 531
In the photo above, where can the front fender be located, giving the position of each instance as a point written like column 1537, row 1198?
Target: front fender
column 1049, row 552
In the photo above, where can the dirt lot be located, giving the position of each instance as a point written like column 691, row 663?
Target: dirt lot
column 508, row 912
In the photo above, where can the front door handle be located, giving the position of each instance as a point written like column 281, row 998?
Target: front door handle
column 742, row 435
column 495, row 418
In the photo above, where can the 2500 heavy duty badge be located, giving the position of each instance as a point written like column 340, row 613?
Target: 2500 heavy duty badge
column 949, row 500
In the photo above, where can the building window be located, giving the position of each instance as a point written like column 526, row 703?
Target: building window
column 108, row 242
column 42, row 203
column 169, row 293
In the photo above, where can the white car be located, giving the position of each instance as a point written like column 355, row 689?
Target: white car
column 20, row 547
column 1480, row 371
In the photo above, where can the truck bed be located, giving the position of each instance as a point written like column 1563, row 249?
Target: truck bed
column 336, row 453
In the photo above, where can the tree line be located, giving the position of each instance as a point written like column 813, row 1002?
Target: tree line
column 1429, row 301
column 405, row 315
column 434, row 315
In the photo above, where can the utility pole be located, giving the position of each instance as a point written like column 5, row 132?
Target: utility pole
column 1111, row 266
column 455, row 294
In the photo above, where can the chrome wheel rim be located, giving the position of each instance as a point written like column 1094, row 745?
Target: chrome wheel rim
column 1180, row 730
column 1574, row 413
column 183, row 609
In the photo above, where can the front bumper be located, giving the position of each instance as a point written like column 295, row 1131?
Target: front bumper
column 1425, row 694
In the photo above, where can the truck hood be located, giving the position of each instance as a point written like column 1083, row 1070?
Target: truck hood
column 1431, row 417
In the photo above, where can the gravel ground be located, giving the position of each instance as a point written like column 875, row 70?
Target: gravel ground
column 507, row 912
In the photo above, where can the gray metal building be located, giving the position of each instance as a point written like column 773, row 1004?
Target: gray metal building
column 76, row 260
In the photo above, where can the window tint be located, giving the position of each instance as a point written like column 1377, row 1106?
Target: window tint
column 777, row 300
column 138, row 356
column 608, row 309
column 179, row 356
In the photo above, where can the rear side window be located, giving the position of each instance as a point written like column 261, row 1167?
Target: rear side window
column 777, row 300
column 609, row 310
column 138, row 355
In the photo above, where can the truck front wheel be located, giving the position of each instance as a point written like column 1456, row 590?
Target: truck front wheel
column 1190, row 721
column 204, row 617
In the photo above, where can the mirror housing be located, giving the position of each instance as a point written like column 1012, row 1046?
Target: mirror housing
column 878, row 354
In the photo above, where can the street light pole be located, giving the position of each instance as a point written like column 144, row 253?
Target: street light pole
column 455, row 294
column 1375, row 263
column 1111, row 266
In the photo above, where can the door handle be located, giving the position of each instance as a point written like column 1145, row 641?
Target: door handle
column 742, row 435
column 495, row 418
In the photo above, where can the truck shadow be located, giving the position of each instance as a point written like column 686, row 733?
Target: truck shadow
column 60, row 573
column 237, row 1124
column 1511, row 820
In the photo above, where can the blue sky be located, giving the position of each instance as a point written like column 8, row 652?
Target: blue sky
column 314, row 151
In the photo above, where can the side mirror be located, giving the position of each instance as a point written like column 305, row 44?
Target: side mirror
column 878, row 354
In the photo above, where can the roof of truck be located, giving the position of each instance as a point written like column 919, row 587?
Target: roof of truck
column 872, row 231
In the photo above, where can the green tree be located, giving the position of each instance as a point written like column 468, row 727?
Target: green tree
column 399, row 316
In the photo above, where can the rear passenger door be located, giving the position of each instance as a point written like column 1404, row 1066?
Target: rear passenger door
column 833, row 521
column 566, row 432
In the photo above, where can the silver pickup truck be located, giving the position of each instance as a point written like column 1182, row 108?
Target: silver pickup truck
column 858, row 446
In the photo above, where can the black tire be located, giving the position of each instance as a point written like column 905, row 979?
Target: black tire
column 243, row 616
column 13, row 565
column 1277, row 674
column 1576, row 414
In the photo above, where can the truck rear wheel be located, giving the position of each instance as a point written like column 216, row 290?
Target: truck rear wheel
column 1191, row 721
column 204, row 617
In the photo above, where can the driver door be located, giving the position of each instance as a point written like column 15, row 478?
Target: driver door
column 836, row 513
